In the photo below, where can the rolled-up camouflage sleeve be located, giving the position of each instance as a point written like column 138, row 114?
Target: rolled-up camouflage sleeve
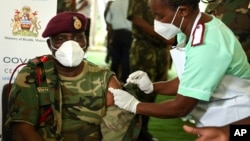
column 115, row 123
column 119, row 124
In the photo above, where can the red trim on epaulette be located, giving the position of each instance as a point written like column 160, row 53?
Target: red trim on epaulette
column 41, row 59
column 39, row 79
column 199, row 27
column 44, row 58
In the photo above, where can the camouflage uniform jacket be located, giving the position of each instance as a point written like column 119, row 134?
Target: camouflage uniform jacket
column 236, row 15
column 78, row 111
column 141, row 8
column 65, row 5
column 145, row 47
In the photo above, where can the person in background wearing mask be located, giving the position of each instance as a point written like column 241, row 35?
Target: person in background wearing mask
column 213, row 83
column 64, row 97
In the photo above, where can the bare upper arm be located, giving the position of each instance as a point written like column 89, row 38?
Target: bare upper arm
column 114, row 83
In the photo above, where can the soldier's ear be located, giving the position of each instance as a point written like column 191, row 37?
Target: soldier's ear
column 49, row 45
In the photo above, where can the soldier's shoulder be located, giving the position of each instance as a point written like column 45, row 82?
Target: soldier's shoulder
column 36, row 61
column 94, row 67
column 33, row 61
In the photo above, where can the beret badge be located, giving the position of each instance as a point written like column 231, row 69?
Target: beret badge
column 65, row 22
column 77, row 23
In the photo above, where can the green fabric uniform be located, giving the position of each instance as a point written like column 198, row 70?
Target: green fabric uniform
column 202, row 62
column 65, row 5
column 147, row 52
column 78, row 104
column 236, row 15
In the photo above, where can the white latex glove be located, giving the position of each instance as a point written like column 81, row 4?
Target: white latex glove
column 124, row 100
column 142, row 80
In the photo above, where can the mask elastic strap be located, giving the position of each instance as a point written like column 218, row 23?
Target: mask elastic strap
column 54, row 48
column 175, row 15
column 181, row 22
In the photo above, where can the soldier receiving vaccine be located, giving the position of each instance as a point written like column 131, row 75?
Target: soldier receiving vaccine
column 62, row 96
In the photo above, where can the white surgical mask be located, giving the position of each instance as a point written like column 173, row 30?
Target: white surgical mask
column 70, row 54
column 167, row 30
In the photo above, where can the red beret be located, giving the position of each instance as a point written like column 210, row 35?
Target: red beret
column 65, row 22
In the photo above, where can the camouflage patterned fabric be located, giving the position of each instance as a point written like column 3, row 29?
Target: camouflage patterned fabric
column 236, row 15
column 65, row 5
column 78, row 105
column 141, row 9
column 147, row 53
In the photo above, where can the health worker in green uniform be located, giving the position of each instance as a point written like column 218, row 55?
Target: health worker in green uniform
column 213, row 83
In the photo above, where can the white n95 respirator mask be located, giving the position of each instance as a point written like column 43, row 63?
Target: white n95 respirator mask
column 167, row 30
column 70, row 54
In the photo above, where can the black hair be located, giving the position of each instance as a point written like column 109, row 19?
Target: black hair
column 175, row 3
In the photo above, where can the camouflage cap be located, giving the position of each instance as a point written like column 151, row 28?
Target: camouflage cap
column 65, row 22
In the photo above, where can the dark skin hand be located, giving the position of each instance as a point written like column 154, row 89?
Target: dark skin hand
column 214, row 133
column 208, row 133
column 26, row 132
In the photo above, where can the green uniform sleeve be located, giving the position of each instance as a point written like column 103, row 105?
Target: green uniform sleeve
column 24, row 104
column 115, row 123
column 119, row 124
